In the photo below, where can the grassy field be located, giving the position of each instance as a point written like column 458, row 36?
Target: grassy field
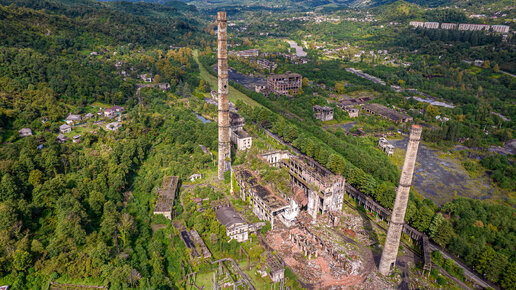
column 234, row 94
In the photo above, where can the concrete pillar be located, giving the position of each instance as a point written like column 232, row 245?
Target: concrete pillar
column 223, row 87
column 392, row 241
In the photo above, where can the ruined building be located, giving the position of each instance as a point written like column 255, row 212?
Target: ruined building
column 265, row 204
column 285, row 84
column 239, row 137
column 167, row 193
column 311, row 187
column 386, row 146
column 392, row 241
column 236, row 228
column 387, row 113
column 323, row 113
column 224, row 158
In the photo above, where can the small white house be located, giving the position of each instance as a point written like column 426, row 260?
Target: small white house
column 194, row 177
column 65, row 128
column 77, row 138
column 24, row 132
column 72, row 119
column 61, row 138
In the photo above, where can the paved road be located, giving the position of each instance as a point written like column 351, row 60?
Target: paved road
column 299, row 50
column 509, row 74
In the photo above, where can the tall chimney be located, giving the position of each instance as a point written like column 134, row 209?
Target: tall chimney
column 224, row 145
column 392, row 242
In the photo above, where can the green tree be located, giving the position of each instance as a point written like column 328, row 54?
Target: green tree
column 484, row 259
column 22, row 261
column 340, row 87
column 110, row 219
column 423, row 218
column 509, row 277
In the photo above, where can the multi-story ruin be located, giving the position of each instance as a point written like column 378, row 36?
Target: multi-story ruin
column 313, row 186
column 504, row 29
column 265, row 204
column 224, row 158
column 285, row 84
column 239, row 137
column 500, row 28
column 323, row 113
column 392, row 241
column 431, row 25
column 448, row 26
column 417, row 23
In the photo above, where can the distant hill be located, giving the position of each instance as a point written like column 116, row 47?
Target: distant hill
column 143, row 23
column 208, row 4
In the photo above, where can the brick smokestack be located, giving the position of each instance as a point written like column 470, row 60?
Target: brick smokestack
column 223, row 86
column 392, row 242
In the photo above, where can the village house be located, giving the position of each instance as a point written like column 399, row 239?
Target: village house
column 88, row 116
column 61, row 138
column 109, row 113
column 236, row 227
column 323, row 113
column 146, row 78
column 65, row 128
column 166, row 196
column 44, row 120
column 77, row 138
column 25, row 132
column 72, row 119
column 164, row 86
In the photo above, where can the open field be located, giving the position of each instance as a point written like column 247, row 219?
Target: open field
column 234, row 94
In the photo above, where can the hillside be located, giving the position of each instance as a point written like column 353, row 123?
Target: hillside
column 143, row 23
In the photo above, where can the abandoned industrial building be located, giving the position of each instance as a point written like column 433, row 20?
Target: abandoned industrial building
column 353, row 102
column 236, row 228
column 388, row 113
column 238, row 136
column 386, row 146
column 167, row 193
column 265, row 204
column 285, row 84
column 352, row 112
column 312, row 187
column 245, row 53
column 323, row 113
column 277, row 269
